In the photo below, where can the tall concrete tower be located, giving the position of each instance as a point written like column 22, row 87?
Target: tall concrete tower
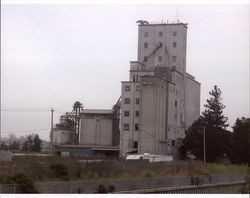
column 162, row 45
column 159, row 95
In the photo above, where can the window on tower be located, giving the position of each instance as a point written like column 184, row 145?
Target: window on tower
column 174, row 44
column 127, row 100
column 126, row 127
column 137, row 101
column 146, row 45
column 145, row 34
column 160, row 34
column 127, row 87
column 136, row 113
column 160, row 58
column 135, row 144
column 136, row 127
column 126, row 113
column 174, row 33
column 174, row 58
column 145, row 58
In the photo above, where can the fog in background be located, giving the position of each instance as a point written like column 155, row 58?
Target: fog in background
column 54, row 55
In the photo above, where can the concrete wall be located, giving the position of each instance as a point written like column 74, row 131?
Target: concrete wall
column 167, row 50
column 192, row 100
column 96, row 129
column 62, row 136
column 128, row 137
column 152, row 134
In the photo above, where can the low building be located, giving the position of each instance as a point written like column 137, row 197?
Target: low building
column 98, row 135
column 87, row 151
column 62, row 136
column 96, row 126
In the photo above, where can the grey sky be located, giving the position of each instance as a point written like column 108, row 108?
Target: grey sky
column 52, row 56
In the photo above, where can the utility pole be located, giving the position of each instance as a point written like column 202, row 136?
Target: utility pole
column 204, row 145
column 51, row 132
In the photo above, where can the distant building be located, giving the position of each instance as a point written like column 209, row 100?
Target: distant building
column 160, row 100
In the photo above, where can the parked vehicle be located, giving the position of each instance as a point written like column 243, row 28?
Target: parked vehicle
column 150, row 157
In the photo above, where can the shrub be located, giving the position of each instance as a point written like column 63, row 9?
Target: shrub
column 147, row 174
column 59, row 170
column 111, row 188
column 195, row 181
column 26, row 184
column 102, row 189
column 222, row 160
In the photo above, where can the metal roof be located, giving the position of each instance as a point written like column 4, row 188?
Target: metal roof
column 97, row 111
column 93, row 147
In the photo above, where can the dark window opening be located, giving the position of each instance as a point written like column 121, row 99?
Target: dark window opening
column 136, row 127
column 127, row 100
column 126, row 127
column 136, row 113
column 174, row 44
column 126, row 113
column 127, row 87
column 135, row 144
column 137, row 101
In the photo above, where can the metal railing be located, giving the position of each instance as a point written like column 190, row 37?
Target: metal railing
column 9, row 188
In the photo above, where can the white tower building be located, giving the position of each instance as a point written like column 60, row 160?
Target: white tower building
column 160, row 100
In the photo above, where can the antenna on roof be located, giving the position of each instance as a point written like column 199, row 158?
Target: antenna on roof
column 177, row 16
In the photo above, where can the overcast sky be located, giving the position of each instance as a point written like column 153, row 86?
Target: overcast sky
column 54, row 55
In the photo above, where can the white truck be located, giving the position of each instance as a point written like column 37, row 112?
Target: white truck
column 151, row 157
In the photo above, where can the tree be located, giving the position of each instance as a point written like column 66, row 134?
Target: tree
column 36, row 143
column 27, row 145
column 217, row 138
column 66, row 122
column 25, row 182
column 217, row 141
column 213, row 114
column 241, row 141
column 32, row 143
column 15, row 145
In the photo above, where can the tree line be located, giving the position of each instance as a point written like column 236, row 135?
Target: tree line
column 220, row 144
column 32, row 143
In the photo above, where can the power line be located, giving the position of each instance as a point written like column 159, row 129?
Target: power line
column 31, row 110
column 24, row 110
column 26, row 130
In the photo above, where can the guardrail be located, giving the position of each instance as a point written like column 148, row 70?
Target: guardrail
column 10, row 188
column 224, row 188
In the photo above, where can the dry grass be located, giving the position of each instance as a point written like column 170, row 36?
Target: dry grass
column 39, row 169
